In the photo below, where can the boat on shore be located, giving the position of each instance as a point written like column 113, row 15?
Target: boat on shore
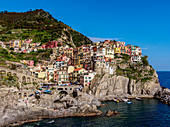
column 139, row 99
column 116, row 100
column 125, row 100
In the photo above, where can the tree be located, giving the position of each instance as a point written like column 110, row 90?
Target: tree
column 13, row 67
column 52, row 80
column 35, row 60
column 4, row 51
column 145, row 61
column 11, row 49
column 59, row 44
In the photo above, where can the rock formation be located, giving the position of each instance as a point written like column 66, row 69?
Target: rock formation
column 163, row 95
column 110, row 113
column 48, row 106
column 109, row 86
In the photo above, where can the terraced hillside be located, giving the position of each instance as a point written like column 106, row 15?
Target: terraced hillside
column 40, row 26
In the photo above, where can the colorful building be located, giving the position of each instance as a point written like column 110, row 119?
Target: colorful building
column 87, row 77
column 117, row 50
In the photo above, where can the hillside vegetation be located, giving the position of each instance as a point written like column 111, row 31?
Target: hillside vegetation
column 38, row 25
column 137, row 71
column 7, row 55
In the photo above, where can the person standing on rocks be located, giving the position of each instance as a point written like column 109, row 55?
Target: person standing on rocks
column 26, row 102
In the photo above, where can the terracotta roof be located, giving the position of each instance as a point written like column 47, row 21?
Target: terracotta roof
column 78, row 69
column 69, row 49
column 59, row 60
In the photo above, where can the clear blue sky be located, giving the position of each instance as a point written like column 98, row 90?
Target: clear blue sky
column 145, row 23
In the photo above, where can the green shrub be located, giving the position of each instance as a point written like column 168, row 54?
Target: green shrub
column 11, row 49
column 145, row 61
column 151, row 72
column 4, row 51
column 146, row 79
column 119, row 72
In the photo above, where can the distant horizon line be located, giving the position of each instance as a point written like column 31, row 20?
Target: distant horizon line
column 163, row 71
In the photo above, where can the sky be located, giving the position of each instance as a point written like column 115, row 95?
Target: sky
column 145, row 23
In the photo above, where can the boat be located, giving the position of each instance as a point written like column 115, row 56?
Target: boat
column 139, row 99
column 116, row 100
column 129, row 102
column 125, row 100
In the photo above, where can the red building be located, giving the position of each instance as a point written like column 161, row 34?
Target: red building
column 55, row 76
column 52, row 44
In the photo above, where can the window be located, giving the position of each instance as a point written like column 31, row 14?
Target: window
column 89, row 77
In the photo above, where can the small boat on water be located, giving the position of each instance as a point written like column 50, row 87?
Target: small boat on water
column 129, row 102
column 139, row 99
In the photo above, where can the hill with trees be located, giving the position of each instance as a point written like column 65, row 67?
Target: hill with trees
column 38, row 25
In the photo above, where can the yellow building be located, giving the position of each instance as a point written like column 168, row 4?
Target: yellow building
column 109, row 53
column 41, row 75
column 76, row 74
column 69, row 52
column 70, row 69
column 32, row 44
column 117, row 50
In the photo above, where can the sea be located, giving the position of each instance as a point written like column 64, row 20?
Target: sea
column 145, row 113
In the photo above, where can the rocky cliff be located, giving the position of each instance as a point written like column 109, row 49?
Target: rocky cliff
column 128, row 79
column 109, row 85
column 48, row 106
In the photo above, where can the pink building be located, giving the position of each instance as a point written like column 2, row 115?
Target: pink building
column 43, row 46
column 106, row 41
column 51, row 44
column 28, row 41
column 31, row 63
column 25, row 51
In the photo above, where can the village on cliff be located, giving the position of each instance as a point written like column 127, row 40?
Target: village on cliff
column 73, row 66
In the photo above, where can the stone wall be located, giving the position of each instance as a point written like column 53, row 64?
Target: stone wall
column 23, row 75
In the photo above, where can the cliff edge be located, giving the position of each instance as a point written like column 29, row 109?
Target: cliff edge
column 129, row 79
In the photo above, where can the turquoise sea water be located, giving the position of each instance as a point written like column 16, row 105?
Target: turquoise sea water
column 145, row 113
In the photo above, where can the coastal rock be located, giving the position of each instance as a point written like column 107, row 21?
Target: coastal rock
column 163, row 95
column 48, row 106
column 108, row 87
column 110, row 113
